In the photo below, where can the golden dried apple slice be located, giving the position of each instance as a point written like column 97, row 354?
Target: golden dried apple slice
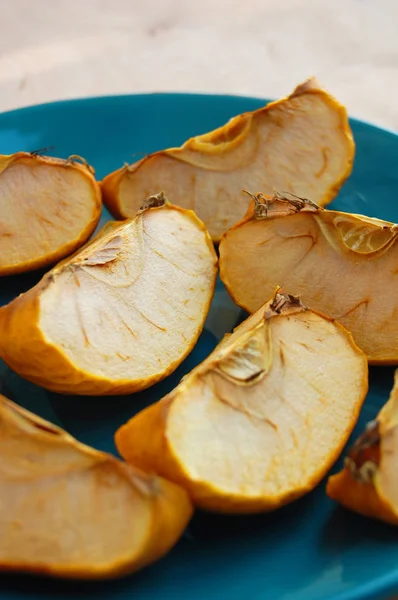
column 368, row 484
column 49, row 207
column 342, row 264
column 68, row 510
column 122, row 313
column 302, row 144
column 262, row 419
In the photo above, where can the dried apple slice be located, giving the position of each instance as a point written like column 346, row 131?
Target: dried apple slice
column 262, row 419
column 49, row 207
column 302, row 144
column 342, row 264
column 122, row 313
column 368, row 484
column 68, row 510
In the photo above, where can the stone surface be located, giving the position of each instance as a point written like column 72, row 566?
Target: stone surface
column 66, row 48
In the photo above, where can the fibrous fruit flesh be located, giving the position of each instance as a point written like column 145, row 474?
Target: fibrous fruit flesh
column 67, row 510
column 368, row 484
column 49, row 207
column 262, row 419
column 302, row 144
column 342, row 264
column 120, row 314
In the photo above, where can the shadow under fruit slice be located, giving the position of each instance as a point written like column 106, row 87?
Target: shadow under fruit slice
column 68, row 510
column 342, row 264
column 302, row 144
column 122, row 313
column 49, row 207
column 262, row 419
column 368, row 484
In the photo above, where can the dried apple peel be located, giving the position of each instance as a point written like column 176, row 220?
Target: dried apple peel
column 339, row 263
column 368, row 484
column 68, row 510
column 119, row 315
column 49, row 207
column 302, row 144
column 262, row 419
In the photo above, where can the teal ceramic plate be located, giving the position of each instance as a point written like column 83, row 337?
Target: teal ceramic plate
column 310, row 550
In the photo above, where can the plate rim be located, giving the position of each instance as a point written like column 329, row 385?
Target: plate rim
column 178, row 94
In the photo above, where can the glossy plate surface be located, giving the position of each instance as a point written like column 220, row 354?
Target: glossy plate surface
column 310, row 550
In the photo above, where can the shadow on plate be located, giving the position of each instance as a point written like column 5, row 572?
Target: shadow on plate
column 14, row 285
column 345, row 529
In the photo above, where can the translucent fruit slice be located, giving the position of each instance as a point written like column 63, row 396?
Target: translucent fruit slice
column 122, row 313
column 368, row 484
column 342, row 264
column 49, row 207
column 302, row 144
column 262, row 419
column 68, row 510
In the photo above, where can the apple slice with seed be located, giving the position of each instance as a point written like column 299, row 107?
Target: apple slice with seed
column 368, row 484
column 49, row 207
column 262, row 419
column 68, row 510
column 302, row 144
column 342, row 264
column 122, row 313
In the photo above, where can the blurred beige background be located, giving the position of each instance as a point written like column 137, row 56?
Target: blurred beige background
column 53, row 49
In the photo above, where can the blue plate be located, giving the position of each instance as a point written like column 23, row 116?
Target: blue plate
column 310, row 550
